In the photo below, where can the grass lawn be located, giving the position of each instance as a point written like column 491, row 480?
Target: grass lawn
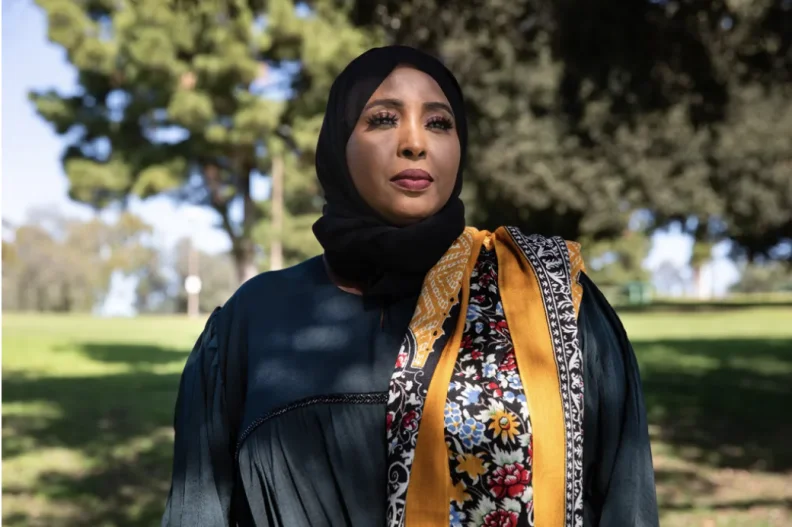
column 87, row 411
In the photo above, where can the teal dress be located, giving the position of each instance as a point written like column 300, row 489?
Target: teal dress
column 281, row 414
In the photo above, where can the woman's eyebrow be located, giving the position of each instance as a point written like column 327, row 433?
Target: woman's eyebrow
column 389, row 103
column 438, row 106
column 399, row 104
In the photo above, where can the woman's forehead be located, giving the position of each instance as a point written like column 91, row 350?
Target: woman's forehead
column 407, row 82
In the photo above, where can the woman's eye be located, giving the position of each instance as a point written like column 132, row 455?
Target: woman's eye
column 440, row 123
column 382, row 119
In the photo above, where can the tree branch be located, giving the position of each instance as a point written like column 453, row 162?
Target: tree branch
column 250, row 217
column 211, row 173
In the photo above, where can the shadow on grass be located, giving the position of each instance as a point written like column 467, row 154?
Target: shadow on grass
column 120, row 423
column 732, row 413
column 684, row 481
column 121, row 492
column 138, row 356
column 680, row 487
column 736, row 505
column 96, row 413
column 686, row 490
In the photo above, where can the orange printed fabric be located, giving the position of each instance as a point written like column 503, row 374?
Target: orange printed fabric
column 535, row 281
column 576, row 266
column 432, row 335
column 538, row 300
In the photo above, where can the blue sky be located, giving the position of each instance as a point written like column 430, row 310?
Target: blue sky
column 32, row 173
column 32, row 176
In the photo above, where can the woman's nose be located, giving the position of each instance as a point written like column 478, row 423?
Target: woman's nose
column 413, row 152
column 412, row 144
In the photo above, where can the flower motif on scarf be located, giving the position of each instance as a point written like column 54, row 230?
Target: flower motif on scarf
column 487, row 426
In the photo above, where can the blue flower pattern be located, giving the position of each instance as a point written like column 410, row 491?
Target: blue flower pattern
column 453, row 417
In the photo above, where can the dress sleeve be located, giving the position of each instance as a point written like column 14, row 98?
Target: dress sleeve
column 619, row 485
column 202, row 483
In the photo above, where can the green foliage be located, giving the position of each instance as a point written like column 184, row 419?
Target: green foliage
column 98, row 182
column 217, row 274
column 582, row 113
column 299, row 241
column 619, row 261
column 64, row 265
column 160, row 288
column 768, row 277
column 175, row 89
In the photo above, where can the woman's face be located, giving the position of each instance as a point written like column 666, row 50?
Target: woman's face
column 404, row 153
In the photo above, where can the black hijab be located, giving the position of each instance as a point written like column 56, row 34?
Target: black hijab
column 361, row 246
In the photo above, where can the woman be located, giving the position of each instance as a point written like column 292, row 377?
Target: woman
column 515, row 398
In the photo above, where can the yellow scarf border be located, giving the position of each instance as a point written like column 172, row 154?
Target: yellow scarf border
column 430, row 489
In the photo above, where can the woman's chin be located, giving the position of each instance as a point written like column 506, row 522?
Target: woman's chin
column 404, row 218
column 407, row 210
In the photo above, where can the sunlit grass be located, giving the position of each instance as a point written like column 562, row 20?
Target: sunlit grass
column 716, row 324
column 87, row 413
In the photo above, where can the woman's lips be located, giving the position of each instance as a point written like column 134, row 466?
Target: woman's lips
column 413, row 179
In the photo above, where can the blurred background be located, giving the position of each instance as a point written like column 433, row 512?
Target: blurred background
column 157, row 153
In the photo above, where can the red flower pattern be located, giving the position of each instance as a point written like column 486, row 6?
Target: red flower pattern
column 509, row 362
column 496, row 391
column 509, row 481
column 501, row 518
column 499, row 326
column 467, row 342
column 408, row 422
column 401, row 359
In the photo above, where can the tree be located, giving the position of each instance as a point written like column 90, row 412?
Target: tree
column 177, row 98
column 580, row 114
column 669, row 279
column 618, row 261
column 160, row 288
column 153, row 292
column 315, row 45
column 583, row 113
column 217, row 276
column 764, row 277
column 32, row 280
column 65, row 265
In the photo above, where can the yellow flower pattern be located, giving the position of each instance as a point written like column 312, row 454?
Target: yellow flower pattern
column 505, row 425
column 471, row 465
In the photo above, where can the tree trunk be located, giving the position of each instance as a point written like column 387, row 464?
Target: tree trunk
column 243, row 248
column 702, row 253
column 276, row 248
column 698, row 292
column 246, row 271
column 245, row 259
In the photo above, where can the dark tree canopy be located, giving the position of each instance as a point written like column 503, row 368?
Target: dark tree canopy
column 581, row 113
column 585, row 112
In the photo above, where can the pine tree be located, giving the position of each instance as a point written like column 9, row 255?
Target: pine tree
column 178, row 98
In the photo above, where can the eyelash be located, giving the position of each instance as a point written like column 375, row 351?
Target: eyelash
column 444, row 123
column 383, row 119
column 389, row 119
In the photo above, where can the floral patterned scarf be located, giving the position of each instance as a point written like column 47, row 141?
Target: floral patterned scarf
column 540, row 295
